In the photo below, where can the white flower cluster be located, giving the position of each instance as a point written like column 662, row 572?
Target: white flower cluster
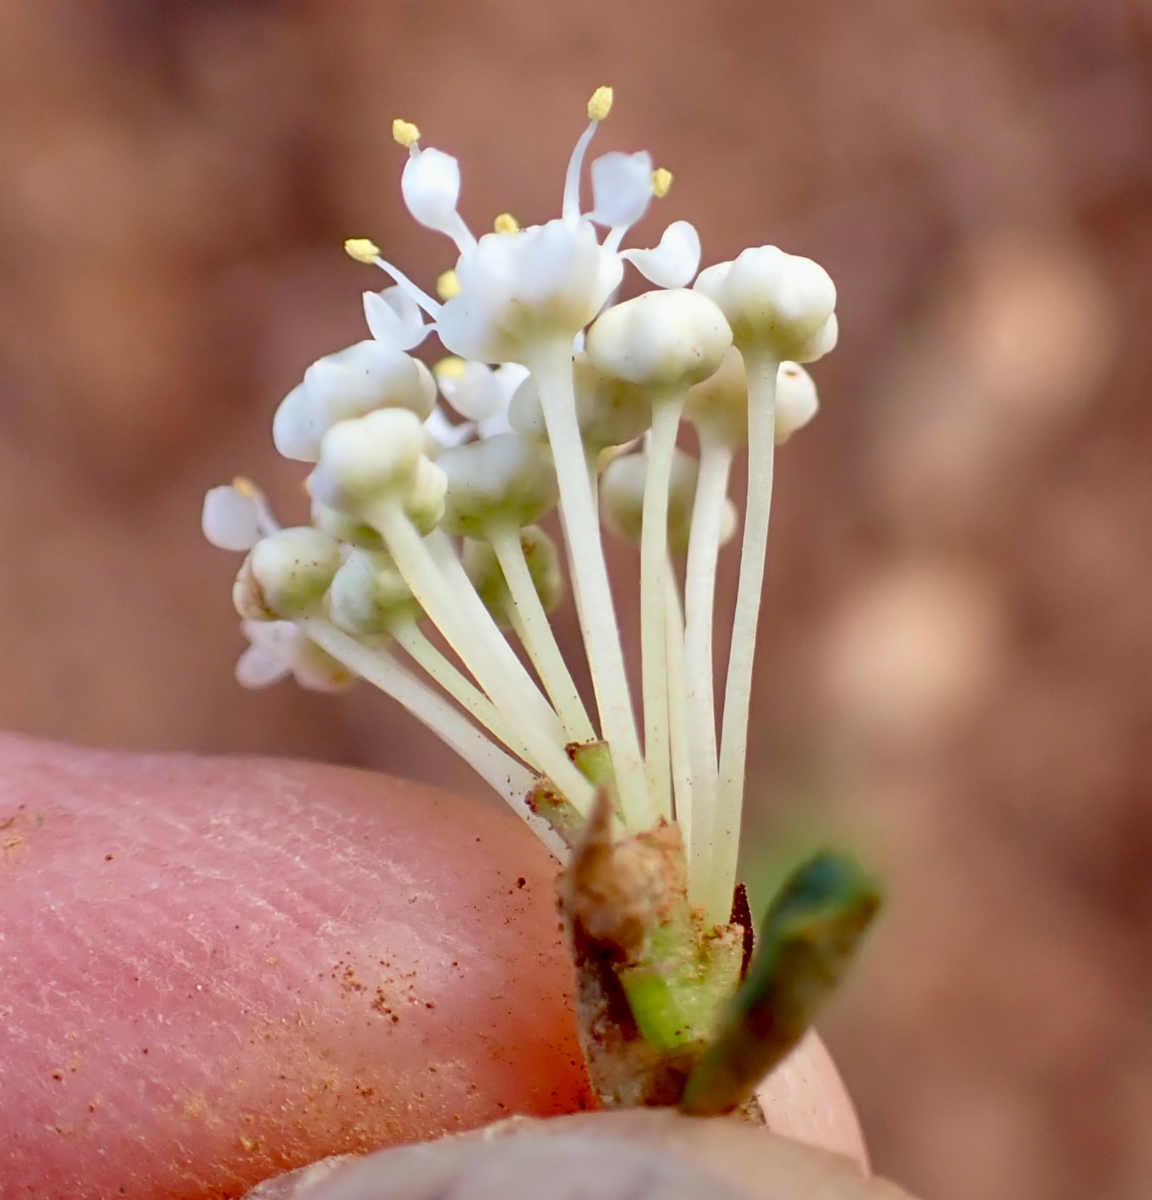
column 562, row 397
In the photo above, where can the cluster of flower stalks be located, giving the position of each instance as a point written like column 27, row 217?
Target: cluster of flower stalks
column 428, row 489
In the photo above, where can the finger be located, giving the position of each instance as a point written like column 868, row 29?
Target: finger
column 212, row 971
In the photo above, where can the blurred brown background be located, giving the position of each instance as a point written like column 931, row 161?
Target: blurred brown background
column 957, row 653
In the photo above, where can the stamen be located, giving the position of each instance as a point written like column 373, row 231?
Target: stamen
column 405, row 133
column 506, row 223
column 447, row 285
column 363, row 250
column 661, row 182
column 599, row 106
column 402, row 281
column 451, row 367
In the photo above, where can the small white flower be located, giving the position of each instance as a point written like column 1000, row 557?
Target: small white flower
column 519, row 289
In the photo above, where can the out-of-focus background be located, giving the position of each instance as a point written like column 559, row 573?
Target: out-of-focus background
column 956, row 672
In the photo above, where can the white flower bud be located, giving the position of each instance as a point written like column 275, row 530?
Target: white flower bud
column 483, row 568
column 345, row 528
column 368, row 459
column 230, row 519
column 778, row 299
column 674, row 262
column 610, row 411
column 622, row 500
column 543, row 560
column 368, row 595
column 542, row 557
column 424, row 502
column 718, row 405
column 661, row 339
column 506, row 479
column 621, row 188
column 287, row 574
column 797, row 401
column 355, row 381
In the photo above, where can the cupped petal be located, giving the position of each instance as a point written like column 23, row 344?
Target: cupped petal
column 431, row 188
column 673, row 263
column 298, row 426
column 475, row 393
column 444, row 432
column 395, row 318
column 621, row 188
column 259, row 668
column 230, row 519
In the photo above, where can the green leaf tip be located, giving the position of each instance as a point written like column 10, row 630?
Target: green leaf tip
column 807, row 942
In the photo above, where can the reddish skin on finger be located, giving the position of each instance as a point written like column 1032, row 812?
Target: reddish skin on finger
column 215, row 970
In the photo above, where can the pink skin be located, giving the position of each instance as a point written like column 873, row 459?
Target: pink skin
column 215, row 970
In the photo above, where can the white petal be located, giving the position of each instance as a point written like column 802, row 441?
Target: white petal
column 497, row 423
column 298, row 426
column 621, row 188
column 317, row 671
column 674, row 262
column 258, row 668
column 445, row 432
column 395, row 318
column 431, row 188
column 230, row 520
column 475, row 394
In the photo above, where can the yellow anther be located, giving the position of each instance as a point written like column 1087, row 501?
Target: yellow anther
column 661, row 182
column 600, row 105
column 405, row 133
column 447, row 285
column 506, row 223
column 363, row 250
column 245, row 487
column 449, row 368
